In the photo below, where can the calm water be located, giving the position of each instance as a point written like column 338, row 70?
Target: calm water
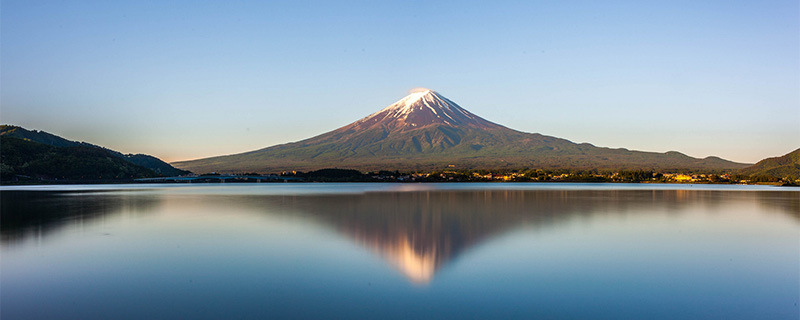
column 400, row 251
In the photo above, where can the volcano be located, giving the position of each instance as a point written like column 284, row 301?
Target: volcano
column 421, row 109
column 426, row 131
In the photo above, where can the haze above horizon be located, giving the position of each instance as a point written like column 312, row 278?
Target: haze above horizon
column 183, row 80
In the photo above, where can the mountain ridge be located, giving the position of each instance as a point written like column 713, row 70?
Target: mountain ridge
column 426, row 131
column 787, row 165
column 24, row 161
column 43, row 137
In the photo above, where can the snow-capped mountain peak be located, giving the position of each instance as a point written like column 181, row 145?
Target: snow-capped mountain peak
column 422, row 107
column 426, row 131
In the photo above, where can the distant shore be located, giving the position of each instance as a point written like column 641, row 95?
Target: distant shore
column 132, row 182
column 450, row 175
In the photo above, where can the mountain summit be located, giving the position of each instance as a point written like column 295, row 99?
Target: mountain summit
column 426, row 131
column 420, row 109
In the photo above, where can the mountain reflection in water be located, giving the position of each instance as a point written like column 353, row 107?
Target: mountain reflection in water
column 418, row 232
column 39, row 213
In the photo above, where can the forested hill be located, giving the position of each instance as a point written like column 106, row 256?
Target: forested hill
column 28, row 160
column 156, row 165
column 786, row 166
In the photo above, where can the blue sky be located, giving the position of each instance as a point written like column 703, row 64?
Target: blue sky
column 183, row 80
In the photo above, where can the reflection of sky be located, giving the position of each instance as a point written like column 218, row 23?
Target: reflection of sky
column 566, row 253
column 718, row 264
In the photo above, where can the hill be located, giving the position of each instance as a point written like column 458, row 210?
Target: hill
column 32, row 160
column 426, row 131
column 157, row 165
column 784, row 166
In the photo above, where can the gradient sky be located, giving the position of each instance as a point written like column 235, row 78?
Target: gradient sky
column 183, row 80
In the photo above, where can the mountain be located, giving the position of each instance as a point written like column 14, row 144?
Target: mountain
column 425, row 131
column 157, row 165
column 777, row 167
column 24, row 159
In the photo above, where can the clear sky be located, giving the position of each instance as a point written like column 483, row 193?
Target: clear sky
column 185, row 79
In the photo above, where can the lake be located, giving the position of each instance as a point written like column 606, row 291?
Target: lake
column 405, row 251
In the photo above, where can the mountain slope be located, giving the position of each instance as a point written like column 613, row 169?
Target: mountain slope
column 147, row 161
column 427, row 131
column 778, row 167
column 23, row 158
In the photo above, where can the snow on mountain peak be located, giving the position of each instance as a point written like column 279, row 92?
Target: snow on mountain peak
column 412, row 97
column 419, row 100
column 422, row 107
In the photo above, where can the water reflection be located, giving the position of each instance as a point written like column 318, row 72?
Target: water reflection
column 417, row 232
column 786, row 202
column 32, row 214
column 420, row 232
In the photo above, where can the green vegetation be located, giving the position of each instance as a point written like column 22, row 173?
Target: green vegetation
column 157, row 165
column 147, row 161
column 38, row 136
column 23, row 160
column 334, row 175
column 522, row 175
column 778, row 169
